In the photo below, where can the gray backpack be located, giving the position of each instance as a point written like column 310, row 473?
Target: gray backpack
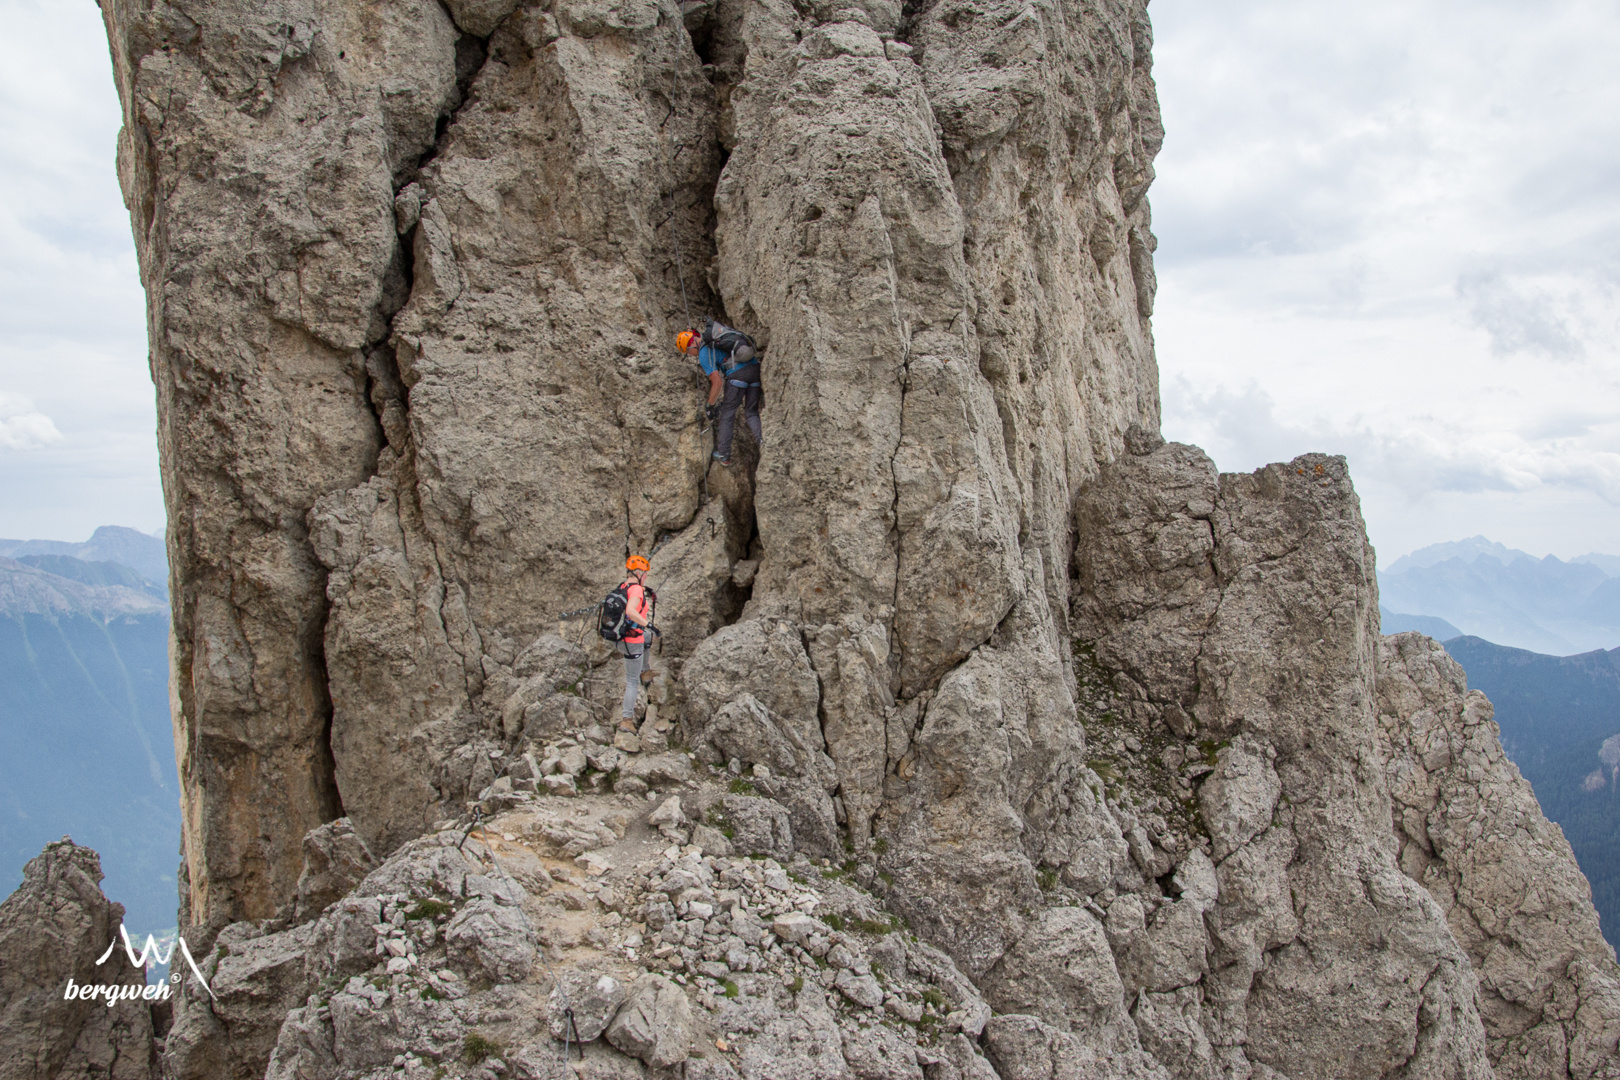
column 738, row 348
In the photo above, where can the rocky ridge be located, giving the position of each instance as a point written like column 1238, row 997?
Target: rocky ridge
column 1469, row 829
column 53, row 929
column 631, row 911
column 493, row 949
column 1110, row 734
column 637, row 910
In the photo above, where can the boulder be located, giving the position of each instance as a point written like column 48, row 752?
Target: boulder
column 712, row 841
column 811, row 813
column 659, row 771
column 752, row 694
column 336, row 859
column 668, row 813
column 863, row 990
column 654, row 1023
column 759, row 826
column 745, row 730
column 795, row 927
column 491, row 940
column 582, row 1004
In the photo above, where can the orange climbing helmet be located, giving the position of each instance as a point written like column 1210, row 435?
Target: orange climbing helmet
column 636, row 562
column 686, row 339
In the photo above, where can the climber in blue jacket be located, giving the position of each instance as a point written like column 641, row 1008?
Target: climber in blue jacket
column 730, row 359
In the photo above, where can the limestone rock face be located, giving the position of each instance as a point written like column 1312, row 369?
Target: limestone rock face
column 903, row 283
column 261, row 147
column 53, row 929
column 1110, row 735
column 1470, row 831
column 447, row 403
column 1245, row 603
column 335, row 861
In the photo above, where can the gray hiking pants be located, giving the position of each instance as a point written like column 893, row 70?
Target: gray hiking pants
column 745, row 397
column 634, row 658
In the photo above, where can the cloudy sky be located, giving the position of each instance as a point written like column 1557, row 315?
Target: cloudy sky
column 1387, row 229
column 1391, row 230
column 77, row 422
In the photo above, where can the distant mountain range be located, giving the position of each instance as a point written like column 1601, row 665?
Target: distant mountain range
column 1432, row 625
column 146, row 555
column 1560, row 720
column 1539, row 637
column 1482, row 588
column 84, row 712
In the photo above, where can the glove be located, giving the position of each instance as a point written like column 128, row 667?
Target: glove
column 712, row 411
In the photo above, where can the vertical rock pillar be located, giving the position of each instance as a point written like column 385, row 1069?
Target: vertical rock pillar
column 258, row 160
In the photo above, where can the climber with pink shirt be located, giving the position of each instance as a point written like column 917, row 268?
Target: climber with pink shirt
column 625, row 620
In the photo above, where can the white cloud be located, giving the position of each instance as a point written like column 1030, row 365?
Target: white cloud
column 1242, row 430
column 1392, row 230
column 1522, row 317
column 71, row 305
column 22, row 427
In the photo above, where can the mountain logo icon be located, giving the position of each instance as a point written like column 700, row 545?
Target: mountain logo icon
column 152, row 951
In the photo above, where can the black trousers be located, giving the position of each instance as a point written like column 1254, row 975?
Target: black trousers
column 746, row 398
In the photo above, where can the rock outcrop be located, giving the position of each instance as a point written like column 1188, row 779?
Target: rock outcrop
column 53, row 932
column 1335, row 770
column 502, row 944
column 414, row 275
column 990, row 736
column 1245, row 606
column 1468, row 828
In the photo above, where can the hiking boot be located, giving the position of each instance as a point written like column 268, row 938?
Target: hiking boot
column 721, row 460
column 627, row 723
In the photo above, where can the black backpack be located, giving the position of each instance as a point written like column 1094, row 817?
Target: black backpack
column 613, row 621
